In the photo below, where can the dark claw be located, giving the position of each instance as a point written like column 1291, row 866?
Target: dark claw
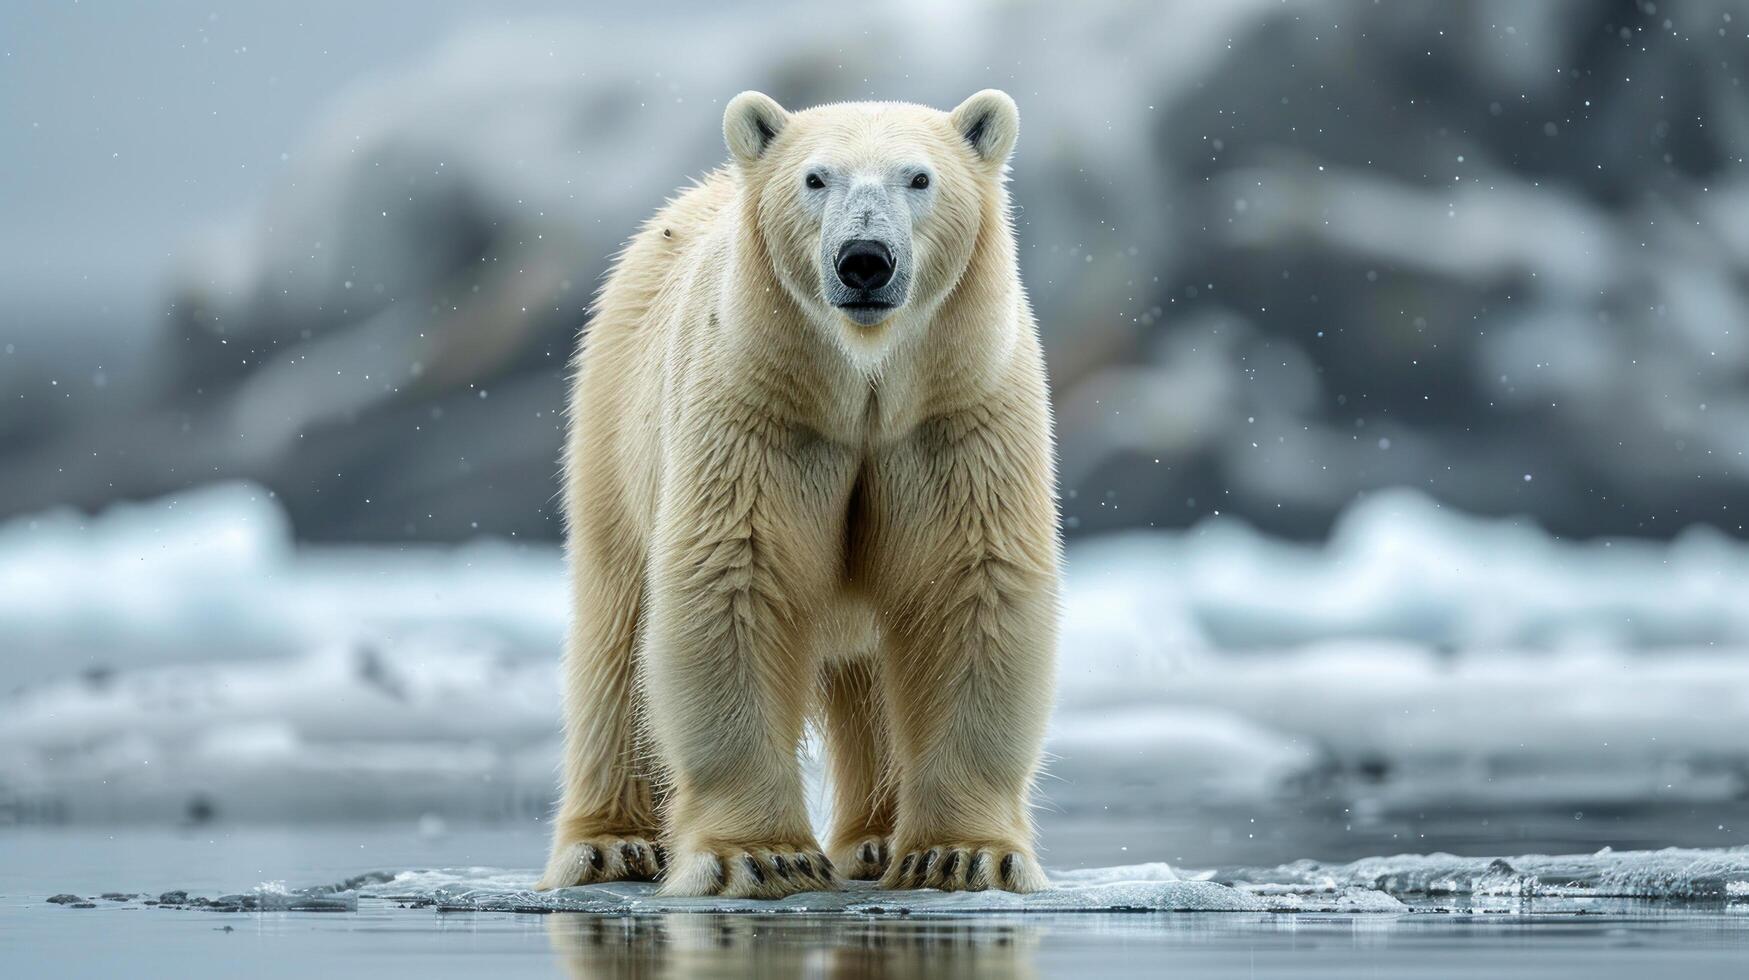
column 924, row 865
column 951, row 865
column 805, row 866
column 753, row 868
column 867, row 854
column 661, row 854
column 1008, row 864
column 975, row 873
column 825, row 862
column 780, row 865
column 905, row 868
column 594, row 857
column 633, row 857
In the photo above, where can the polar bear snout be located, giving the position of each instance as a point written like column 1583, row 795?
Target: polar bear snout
column 867, row 280
column 865, row 264
column 870, row 280
column 865, row 244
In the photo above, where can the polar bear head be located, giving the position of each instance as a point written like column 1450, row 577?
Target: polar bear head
column 870, row 211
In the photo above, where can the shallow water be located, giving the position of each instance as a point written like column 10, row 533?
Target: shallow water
column 396, row 942
column 1437, row 936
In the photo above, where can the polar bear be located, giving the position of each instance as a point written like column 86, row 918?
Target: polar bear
column 810, row 475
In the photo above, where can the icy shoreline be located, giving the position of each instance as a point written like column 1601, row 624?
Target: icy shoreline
column 1434, row 882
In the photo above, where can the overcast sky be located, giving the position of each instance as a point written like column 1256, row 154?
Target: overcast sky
column 126, row 126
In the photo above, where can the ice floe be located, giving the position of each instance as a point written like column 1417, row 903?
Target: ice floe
column 1395, row 884
column 1670, row 873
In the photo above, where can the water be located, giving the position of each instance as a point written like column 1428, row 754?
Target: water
column 1428, row 938
column 402, row 943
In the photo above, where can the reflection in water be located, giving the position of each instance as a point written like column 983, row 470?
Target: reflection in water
column 782, row 946
column 1608, row 941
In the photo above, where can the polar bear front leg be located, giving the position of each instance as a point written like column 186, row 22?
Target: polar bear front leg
column 745, row 548
column 606, row 828
column 966, row 524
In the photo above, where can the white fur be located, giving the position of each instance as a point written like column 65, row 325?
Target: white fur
column 778, row 513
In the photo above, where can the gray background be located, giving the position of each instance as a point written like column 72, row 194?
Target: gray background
column 1284, row 255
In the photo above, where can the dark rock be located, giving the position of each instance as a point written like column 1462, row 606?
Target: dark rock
column 64, row 899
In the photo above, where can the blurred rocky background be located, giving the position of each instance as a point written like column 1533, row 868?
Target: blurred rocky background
column 1284, row 254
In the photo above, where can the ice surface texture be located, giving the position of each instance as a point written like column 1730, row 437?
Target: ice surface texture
column 1376, row 884
column 513, row 892
column 1137, row 888
column 1671, row 873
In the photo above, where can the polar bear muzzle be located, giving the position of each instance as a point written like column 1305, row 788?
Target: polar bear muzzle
column 865, row 267
column 865, row 244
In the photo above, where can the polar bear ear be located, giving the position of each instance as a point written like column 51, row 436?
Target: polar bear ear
column 990, row 122
column 750, row 123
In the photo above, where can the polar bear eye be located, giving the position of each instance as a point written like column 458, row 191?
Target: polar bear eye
column 815, row 182
column 919, row 182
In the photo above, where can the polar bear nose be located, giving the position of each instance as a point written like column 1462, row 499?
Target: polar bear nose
column 865, row 264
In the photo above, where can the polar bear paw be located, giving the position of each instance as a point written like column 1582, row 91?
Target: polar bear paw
column 603, row 857
column 967, row 867
column 864, row 859
column 751, row 871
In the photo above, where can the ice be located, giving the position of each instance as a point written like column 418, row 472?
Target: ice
column 180, row 657
column 1140, row 888
column 1671, row 873
column 1377, row 884
column 1370, row 885
column 212, row 574
column 1400, row 567
column 482, row 890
